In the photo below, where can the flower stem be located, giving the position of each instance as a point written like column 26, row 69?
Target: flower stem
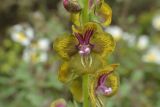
column 85, row 19
column 85, row 16
column 85, row 91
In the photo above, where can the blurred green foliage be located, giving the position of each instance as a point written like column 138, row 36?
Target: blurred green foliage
column 27, row 84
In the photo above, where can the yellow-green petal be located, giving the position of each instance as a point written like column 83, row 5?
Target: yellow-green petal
column 94, row 63
column 113, row 82
column 64, row 73
column 105, row 12
column 92, row 25
column 104, row 43
column 65, row 46
column 76, row 89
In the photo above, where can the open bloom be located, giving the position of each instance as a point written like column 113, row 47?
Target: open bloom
column 106, row 84
column 152, row 55
column 88, row 45
column 143, row 42
column 156, row 22
column 84, row 52
column 116, row 32
column 34, row 56
column 22, row 33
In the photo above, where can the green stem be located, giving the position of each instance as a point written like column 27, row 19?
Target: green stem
column 85, row 91
column 85, row 19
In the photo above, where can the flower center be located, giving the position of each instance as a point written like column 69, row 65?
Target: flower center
column 84, row 50
column 84, row 45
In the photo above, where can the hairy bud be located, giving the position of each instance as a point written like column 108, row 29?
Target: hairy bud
column 72, row 6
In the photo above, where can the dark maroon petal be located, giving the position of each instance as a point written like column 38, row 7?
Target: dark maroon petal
column 102, row 79
column 88, row 35
column 79, row 37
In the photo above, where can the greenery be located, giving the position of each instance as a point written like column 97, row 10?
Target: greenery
column 28, row 69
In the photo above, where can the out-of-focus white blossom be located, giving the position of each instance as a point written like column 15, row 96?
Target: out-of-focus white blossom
column 152, row 55
column 115, row 31
column 129, row 38
column 156, row 22
column 143, row 42
column 43, row 44
column 22, row 33
column 34, row 56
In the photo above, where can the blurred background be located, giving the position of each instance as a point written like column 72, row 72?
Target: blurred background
column 28, row 64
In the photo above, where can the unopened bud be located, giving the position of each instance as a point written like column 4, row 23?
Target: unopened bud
column 72, row 6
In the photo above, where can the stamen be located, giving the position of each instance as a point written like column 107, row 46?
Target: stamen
column 90, row 61
column 86, row 61
column 82, row 62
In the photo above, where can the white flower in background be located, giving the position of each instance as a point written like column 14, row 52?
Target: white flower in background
column 143, row 42
column 115, row 31
column 22, row 33
column 152, row 55
column 37, row 51
column 156, row 22
column 43, row 44
column 129, row 38
column 34, row 56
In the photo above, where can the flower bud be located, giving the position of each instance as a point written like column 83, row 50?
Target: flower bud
column 72, row 6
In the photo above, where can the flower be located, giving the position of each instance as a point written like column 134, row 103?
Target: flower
column 22, row 33
column 115, row 31
column 89, row 42
column 43, row 44
column 143, row 42
column 156, row 22
column 34, row 56
column 84, row 52
column 99, row 11
column 129, row 38
column 59, row 103
column 106, row 83
column 152, row 55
